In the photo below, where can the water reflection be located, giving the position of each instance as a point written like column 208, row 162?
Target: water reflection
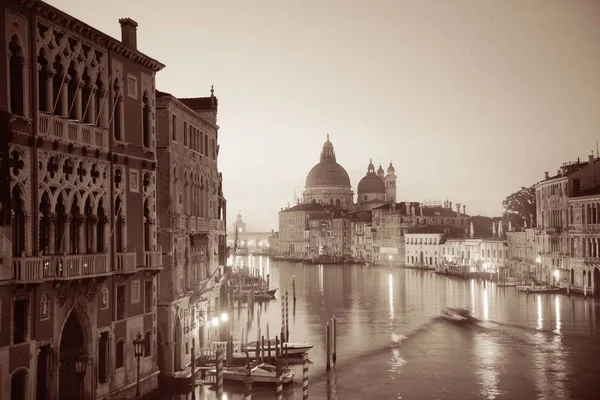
column 487, row 352
column 557, row 314
column 540, row 317
column 486, row 305
column 391, row 295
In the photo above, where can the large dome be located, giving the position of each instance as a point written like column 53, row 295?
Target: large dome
column 328, row 172
column 371, row 183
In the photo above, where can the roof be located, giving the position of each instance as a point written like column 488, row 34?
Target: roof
column 448, row 229
column 327, row 172
column 362, row 216
column 201, row 103
column 309, row 207
column 371, row 183
column 427, row 211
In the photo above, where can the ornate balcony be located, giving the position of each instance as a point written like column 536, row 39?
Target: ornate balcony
column 220, row 225
column 591, row 260
column 552, row 229
column 126, row 262
column 55, row 127
column 37, row 269
column 152, row 260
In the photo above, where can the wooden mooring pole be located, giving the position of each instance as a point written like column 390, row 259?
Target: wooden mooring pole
column 305, row 376
column 287, row 322
column 219, row 373
column 279, row 387
column 328, row 346
column 334, row 328
column 294, row 287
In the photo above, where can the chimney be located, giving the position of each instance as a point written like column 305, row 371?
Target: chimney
column 421, row 209
column 547, row 175
column 458, row 209
column 450, row 205
column 464, row 210
column 412, row 209
column 407, row 206
column 129, row 32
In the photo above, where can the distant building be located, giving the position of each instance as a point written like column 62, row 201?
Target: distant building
column 239, row 225
column 522, row 254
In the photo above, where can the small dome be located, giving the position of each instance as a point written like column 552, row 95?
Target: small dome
column 391, row 168
column 380, row 171
column 371, row 183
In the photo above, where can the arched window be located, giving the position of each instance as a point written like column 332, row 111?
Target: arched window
column 120, row 354
column 15, row 65
column 72, row 88
column 18, row 222
column 57, row 83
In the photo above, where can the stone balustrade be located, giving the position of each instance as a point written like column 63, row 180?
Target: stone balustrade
column 56, row 127
column 153, row 259
column 126, row 262
column 31, row 269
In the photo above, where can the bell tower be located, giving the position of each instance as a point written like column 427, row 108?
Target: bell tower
column 390, row 184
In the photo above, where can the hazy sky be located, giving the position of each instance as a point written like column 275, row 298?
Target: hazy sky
column 470, row 99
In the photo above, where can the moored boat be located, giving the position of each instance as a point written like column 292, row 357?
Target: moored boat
column 262, row 373
column 293, row 349
column 539, row 289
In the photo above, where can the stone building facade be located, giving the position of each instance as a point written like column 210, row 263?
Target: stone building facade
column 422, row 249
column 192, row 218
column 78, row 176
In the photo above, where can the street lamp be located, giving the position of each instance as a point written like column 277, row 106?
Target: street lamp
column 390, row 258
column 138, row 351
column 80, row 365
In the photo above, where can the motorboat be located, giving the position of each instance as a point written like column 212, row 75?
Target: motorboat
column 293, row 349
column 367, row 264
column 262, row 373
column 456, row 314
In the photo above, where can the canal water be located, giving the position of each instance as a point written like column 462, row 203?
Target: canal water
column 392, row 344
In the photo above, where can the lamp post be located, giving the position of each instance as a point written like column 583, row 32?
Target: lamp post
column 80, row 365
column 138, row 350
column 390, row 258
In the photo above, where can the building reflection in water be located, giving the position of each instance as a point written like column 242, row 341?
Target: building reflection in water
column 391, row 295
column 472, row 286
column 487, row 352
column 540, row 316
column 321, row 278
column 557, row 314
column 486, row 305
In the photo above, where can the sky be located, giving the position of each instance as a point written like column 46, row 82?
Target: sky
column 470, row 99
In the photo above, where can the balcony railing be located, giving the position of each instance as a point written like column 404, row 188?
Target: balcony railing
column 591, row 260
column 153, row 259
column 220, row 225
column 552, row 229
column 126, row 262
column 72, row 131
column 28, row 269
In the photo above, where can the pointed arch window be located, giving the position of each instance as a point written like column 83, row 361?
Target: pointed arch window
column 17, row 88
column 146, row 122
column 117, row 112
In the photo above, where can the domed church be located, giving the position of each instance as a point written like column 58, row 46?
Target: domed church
column 376, row 189
column 328, row 183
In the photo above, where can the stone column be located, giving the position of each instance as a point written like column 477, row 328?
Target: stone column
column 51, row 233
column 78, row 97
column 50, row 91
column 65, row 240
column 64, row 97
column 91, row 108
column 105, row 104
column 94, row 228
column 79, row 223
column 106, row 223
column 28, row 236
column 124, row 230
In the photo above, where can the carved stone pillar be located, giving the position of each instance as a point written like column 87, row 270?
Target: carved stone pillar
column 80, row 226
column 106, row 223
column 104, row 107
column 66, row 237
column 50, row 91
column 64, row 97
column 28, row 236
column 94, row 232
column 78, row 97
column 91, row 108
column 124, row 232
column 51, row 233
